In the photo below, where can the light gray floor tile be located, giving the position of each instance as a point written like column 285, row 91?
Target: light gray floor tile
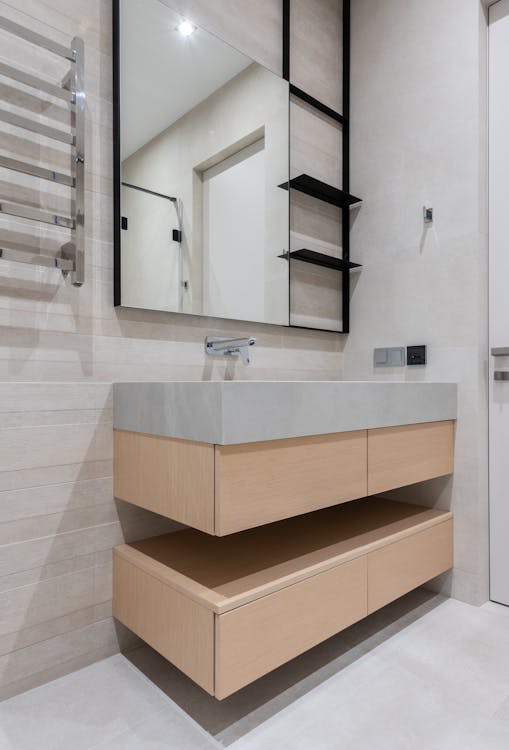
column 493, row 607
column 429, row 675
column 168, row 730
column 502, row 713
column 393, row 710
column 459, row 650
column 493, row 736
column 79, row 710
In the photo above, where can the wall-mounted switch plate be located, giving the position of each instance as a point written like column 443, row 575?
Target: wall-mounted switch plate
column 392, row 356
column 416, row 355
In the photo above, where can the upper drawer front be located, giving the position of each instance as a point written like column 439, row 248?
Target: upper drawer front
column 174, row 478
column 258, row 637
column 402, row 566
column 257, row 483
column 398, row 456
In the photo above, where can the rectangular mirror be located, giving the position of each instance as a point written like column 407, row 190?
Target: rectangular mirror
column 201, row 146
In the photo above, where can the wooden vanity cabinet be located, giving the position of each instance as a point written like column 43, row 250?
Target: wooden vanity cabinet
column 264, row 579
column 223, row 489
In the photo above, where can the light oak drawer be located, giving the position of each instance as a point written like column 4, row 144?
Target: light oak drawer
column 398, row 568
column 257, row 483
column 174, row 478
column 399, row 456
column 179, row 628
column 258, row 637
column 224, row 489
column 223, row 653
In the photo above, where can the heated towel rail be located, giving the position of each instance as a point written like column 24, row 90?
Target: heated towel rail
column 71, row 255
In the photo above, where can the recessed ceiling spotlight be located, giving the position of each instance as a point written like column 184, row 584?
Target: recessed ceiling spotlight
column 186, row 28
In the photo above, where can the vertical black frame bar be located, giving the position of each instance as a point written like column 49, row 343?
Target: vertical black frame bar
column 117, row 259
column 345, row 212
column 286, row 40
column 286, row 76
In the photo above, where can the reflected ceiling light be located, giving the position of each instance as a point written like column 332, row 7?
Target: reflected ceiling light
column 186, row 28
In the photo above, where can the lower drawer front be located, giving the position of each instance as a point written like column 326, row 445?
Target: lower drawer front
column 402, row 566
column 173, row 624
column 262, row 635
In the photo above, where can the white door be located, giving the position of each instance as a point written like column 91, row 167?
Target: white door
column 234, row 236
column 499, row 298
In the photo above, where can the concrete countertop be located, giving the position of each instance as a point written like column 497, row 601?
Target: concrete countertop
column 242, row 411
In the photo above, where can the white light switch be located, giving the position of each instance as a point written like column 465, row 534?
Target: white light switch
column 393, row 356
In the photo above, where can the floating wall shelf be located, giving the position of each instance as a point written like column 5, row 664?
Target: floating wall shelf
column 320, row 259
column 320, row 190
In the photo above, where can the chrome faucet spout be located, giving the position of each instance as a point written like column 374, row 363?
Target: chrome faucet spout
column 216, row 345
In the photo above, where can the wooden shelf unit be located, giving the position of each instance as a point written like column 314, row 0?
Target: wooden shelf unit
column 228, row 610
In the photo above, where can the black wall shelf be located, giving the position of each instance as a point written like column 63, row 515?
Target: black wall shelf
column 320, row 190
column 316, row 104
column 314, row 187
column 320, row 259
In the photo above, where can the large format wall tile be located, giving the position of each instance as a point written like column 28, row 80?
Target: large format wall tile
column 58, row 523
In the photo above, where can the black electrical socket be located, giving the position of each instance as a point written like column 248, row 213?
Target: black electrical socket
column 416, row 355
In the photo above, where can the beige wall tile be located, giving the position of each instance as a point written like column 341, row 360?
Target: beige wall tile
column 55, row 597
column 45, row 568
column 50, row 629
column 34, row 502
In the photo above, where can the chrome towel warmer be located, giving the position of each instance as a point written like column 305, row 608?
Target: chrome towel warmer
column 71, row 256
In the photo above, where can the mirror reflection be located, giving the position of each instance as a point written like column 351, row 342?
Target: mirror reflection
column 204, row 147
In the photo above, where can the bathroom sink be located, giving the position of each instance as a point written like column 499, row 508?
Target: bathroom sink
column 230, row 412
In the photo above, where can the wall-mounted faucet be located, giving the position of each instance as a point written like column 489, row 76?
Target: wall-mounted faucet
column 216, row 345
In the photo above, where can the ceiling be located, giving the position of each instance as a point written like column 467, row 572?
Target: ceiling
column 163, row 75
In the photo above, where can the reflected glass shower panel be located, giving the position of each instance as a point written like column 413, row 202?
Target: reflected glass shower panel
column 151, row 257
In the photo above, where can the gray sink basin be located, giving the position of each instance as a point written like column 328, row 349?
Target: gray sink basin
column 229, row 412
